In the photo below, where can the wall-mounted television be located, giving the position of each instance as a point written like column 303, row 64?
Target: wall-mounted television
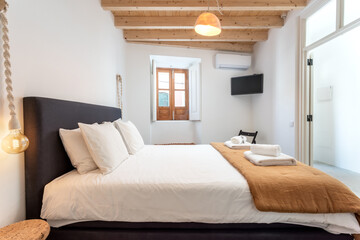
column 251, row 84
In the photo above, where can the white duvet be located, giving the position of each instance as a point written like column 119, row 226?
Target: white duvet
column 170, row 184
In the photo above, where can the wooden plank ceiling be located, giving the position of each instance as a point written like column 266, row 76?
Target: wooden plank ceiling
column 171, row 22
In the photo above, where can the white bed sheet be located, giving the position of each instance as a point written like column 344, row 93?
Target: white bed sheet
column 170, row 184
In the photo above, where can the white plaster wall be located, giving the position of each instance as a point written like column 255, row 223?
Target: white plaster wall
column 222, row 114
column 60, row 49
column 274, row 110
column 163, row 132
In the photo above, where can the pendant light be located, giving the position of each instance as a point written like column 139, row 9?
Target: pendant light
column 16, row 141
column 208, row 24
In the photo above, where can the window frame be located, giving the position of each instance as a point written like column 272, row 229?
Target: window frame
column 172, row 108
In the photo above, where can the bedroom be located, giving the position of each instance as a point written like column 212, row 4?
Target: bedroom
column 71, row 50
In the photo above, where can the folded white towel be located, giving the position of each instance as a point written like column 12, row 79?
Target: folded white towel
column 245, row 146
column 261, row 160
column 266, row 149
column 238, row 139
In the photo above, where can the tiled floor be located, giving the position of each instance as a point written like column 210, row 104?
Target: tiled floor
column 349, row 178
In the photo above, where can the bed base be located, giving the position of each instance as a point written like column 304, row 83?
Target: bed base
column 255, row 232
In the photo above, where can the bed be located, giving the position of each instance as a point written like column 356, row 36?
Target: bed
column 46, row 160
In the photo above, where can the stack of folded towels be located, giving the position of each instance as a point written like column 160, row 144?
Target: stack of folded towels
column 238, row 142
column 268, row 155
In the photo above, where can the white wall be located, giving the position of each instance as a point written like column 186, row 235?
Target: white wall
column 163, row 132
column 336, row 120
column 274, row 110
column 222, row 114
column 60, row 49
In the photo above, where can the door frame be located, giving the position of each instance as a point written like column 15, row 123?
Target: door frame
column 310, row 98
column 172, row 90
column 303, row 150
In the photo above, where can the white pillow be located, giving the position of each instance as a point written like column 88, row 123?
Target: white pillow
column 77, row 151
column 131, row 135
column 105, row 145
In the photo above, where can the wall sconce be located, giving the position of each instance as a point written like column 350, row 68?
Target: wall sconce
column 16, row 141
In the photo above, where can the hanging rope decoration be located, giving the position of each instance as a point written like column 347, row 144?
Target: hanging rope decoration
column 119, row 92
column 15, row 142
column 14, row 123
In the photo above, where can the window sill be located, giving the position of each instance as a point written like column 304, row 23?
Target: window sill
column 172, row 121
column 176, row 121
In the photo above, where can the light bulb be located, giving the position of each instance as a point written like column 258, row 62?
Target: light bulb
column 15, row 142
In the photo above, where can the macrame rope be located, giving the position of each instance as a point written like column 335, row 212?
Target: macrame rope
column 7, row 64
column 119, row 93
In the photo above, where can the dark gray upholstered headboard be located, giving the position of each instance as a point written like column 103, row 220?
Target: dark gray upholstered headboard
column 46, row 158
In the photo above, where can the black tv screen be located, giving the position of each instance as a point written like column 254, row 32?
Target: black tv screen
column 247, row 84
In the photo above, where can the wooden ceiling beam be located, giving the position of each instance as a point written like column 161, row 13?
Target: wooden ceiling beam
column 194, row 13
column 241, row 22
column 220, row 46
column 191, row 35
column 201, row 5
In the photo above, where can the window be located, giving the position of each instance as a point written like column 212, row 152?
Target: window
column 352, row 8
column 321, row 23
column 172, row 94
column 175, row 84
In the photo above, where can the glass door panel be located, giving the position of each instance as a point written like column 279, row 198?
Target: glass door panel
column 180, row 99
column 164, row 98
column 336, row 111
column 180, row 81
column 164, row 80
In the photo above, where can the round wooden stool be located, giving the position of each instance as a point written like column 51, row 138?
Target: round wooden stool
column 26, row 230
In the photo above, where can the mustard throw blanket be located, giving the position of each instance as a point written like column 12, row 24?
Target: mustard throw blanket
column 292, row 189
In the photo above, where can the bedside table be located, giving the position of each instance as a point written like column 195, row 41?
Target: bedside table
column 26, row 230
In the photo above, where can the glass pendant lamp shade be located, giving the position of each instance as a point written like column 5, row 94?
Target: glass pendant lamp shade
column 15, row 142
column 208, row 24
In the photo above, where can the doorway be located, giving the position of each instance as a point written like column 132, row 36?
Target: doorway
column 331, row 95
column 334, row 76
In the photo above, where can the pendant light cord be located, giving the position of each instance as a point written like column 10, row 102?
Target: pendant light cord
column 7, row 64
column 219, row 8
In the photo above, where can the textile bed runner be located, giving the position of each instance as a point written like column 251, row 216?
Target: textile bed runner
column 292, row 189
